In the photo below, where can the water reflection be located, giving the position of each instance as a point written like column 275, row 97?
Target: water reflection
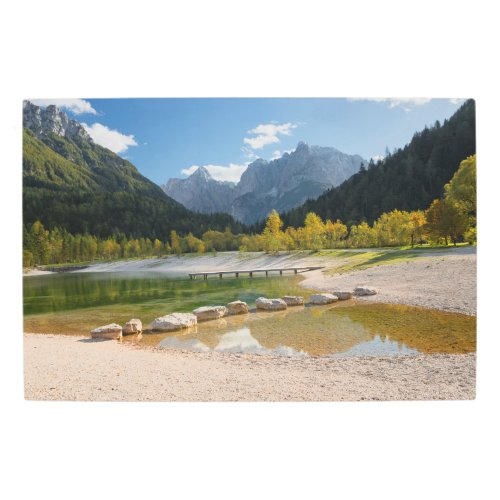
column 147, row 291
column 339, row 330
column 76, row 303
column 236, row 341
column 379, row 347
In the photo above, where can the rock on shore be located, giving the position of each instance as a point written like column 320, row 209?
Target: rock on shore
column 364, row 290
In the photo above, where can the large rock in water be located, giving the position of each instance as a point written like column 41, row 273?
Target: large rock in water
column 175, row 321
column 237, row 307
column 364, row 290
column 132, row 327
column 111, row 331
column 343, row 295
column 207, row 313
column 320, row 299
column 292, row 300
column 270, row 304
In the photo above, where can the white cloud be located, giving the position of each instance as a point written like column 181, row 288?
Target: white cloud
column 231, row 172
column 394, row 102
column 111, row 139
column 278, row 154
column 248, row 153
column 377, row 158
column 76, row 106
column 267, row 133
column 456, row 100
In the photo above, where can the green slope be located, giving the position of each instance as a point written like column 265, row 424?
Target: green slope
column 83, row 187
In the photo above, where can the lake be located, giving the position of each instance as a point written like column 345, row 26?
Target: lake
column 75, row 303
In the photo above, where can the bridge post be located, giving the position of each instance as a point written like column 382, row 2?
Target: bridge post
column 251, row 274
column 237, row 275
column 281, row 272
column 295, row 270
column 220, row 275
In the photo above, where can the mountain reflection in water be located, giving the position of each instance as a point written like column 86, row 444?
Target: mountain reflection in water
column 339, row 330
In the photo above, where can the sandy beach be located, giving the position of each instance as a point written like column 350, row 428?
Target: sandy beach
column 61, row 367
column 76, row 368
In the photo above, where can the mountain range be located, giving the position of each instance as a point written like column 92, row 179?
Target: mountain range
column 281, row 184
column 408, row 179
column 71, row 182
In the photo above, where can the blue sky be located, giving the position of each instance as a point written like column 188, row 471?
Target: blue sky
column 167, row 138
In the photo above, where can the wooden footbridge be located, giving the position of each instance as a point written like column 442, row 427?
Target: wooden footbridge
column 251, row 272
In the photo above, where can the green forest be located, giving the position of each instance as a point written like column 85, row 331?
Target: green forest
column 85, row 188
column 447, row 220
column 408, row 179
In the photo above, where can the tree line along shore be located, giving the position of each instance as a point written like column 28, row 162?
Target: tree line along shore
column 450, row 219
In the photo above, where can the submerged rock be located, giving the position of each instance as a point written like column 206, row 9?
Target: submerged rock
column 364, row 290
column 293, row 300
column 320, row 299
column 210, row 312
column 111, row 331
column 132, row 327
column 175, row 321
column 237, row 307
column 270, row 304
column 343, row 295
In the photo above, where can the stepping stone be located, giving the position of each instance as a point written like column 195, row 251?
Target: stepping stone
column 293, row 300
column 270, row 304
column 175, row 321
column 237, row 307
column 132, row 327
column 111, row 331
column 320, row 299
column 207, row 313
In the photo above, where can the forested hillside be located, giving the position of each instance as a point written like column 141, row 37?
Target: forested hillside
column 409, row 179
column 77, row 185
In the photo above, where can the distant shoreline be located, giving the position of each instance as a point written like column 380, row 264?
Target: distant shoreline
column 443, row 279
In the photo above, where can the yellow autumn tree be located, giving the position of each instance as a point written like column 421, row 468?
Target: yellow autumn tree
column 335, row 232
column 417, row 226
column 314, row 231
column 361, row 236
column 273, row 236
column 175, row 242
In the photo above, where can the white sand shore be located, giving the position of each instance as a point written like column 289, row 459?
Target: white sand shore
column 36, row 272
column 76, row 368
column 444, row 281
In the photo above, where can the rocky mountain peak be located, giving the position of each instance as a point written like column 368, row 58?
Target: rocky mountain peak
column 51, row 120
column 201, row 173
column 282, row 184
column 302, row 147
